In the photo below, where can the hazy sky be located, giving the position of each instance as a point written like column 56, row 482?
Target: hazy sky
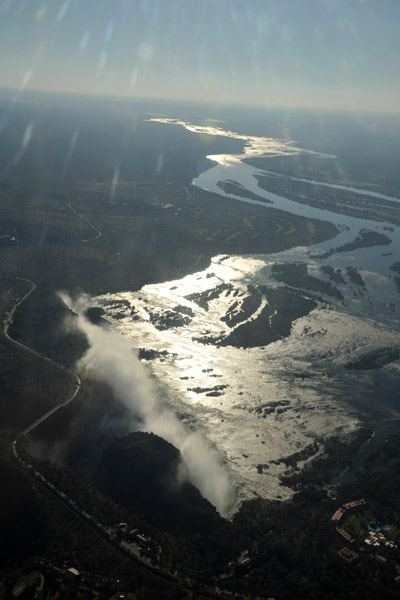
column 327, row 53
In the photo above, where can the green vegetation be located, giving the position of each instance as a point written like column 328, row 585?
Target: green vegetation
column 150, row 354
column 338, row 453
column 334, row 274
column 335, row 200
column 355, row 276
column 216, row 390
column 247, row 305
column 366, row 239
column 204, row 298
column 21, row 514
column 375, row 359
column 274, row 320
column 281, row 307
column 296, row 275
column 349, row 167
column 396, row 267
column 397, row 281
column 143, row 472
column 307, row 452
column 53, row 534
column 379, row 480
column 168, row 318
column 235, row 188
column 295, row 545
column 194, row 538
column 150, row 232
column 29, row 386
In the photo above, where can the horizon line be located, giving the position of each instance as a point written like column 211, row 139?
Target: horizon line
column 116, row 97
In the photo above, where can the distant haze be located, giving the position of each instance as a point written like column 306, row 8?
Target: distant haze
column 340, row 54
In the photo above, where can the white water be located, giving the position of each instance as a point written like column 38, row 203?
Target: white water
column 301, row 380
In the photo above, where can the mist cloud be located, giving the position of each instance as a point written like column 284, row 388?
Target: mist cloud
column 110, row 359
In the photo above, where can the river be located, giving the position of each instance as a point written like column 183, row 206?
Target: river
column 263, row 403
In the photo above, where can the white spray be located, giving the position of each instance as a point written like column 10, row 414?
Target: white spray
column 111, row 359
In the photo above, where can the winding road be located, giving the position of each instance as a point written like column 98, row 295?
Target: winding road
column 85, row 220
column 66, row 373
column 7, row 320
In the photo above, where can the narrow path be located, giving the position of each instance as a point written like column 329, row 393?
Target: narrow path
column 189, row 195
column 55, row 408
column 7, row 321
column 69, row 375
column 85, row 220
